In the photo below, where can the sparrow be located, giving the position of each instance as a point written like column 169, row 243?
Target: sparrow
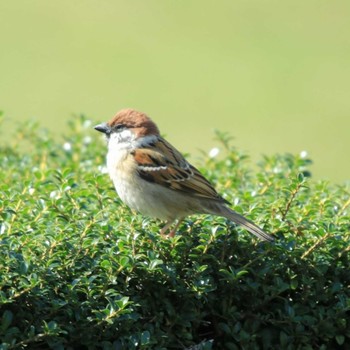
column 152, row 177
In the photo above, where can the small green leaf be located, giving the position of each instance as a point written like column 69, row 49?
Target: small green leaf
column 106, row 264
column 124, row 261
column 154, row 263
column 241, row 273
column 294, row 283
column 145, row 337
column 6, row 320
column 340, row 339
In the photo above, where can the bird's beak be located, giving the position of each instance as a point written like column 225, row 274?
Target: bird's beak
column 105, row 128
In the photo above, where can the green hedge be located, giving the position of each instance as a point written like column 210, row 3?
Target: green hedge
column 78, row 269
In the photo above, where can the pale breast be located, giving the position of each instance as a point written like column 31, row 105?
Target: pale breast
column 145, row 197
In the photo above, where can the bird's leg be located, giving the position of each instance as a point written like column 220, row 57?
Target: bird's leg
column 167, row 226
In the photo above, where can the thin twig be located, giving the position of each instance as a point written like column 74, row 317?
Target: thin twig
column 289, row 203
column 313, row 247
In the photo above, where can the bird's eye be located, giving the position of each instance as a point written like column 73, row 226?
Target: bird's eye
column 119, row 127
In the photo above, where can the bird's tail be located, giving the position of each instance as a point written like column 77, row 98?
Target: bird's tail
column 247, row 224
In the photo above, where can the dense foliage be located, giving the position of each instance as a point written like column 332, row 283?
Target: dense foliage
column 78, row 269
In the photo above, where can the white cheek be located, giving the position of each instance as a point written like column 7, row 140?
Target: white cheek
column 120, row 140
column 125, row 136
column 118, row 146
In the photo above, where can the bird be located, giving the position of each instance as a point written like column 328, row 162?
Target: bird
column 152, row 177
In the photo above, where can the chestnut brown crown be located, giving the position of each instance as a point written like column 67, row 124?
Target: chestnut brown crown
column 133, row 119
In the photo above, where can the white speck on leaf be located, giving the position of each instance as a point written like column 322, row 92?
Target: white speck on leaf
column 67, row 146
column 54, row 194
column 2, row 228
column 87, row 123
column 214, row 152
column 87, row 140
column 303, row 154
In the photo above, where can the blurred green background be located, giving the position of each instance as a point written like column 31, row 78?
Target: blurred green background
column 274, row 74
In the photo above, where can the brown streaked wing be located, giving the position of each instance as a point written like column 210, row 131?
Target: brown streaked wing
column 162, row 164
